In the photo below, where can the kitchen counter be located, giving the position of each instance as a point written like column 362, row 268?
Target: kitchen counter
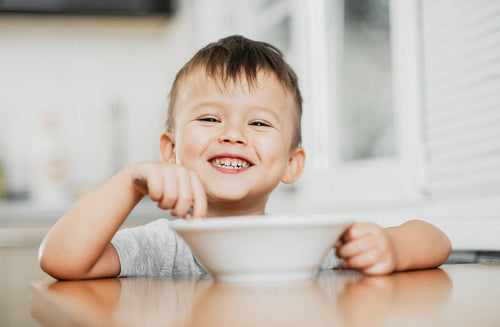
column 27, row 212
column 430, row 297
column 455, row 295
column 23, row 223
column 469, row 225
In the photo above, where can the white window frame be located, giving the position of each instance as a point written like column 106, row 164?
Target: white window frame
column 327, row 179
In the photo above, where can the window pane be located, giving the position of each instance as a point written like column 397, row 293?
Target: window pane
column 367, row 116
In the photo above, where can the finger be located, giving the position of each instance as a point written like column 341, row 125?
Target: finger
column 382, row 268
column 154, row 184
column 356, row 247
column 141, row 184
column 338, row 243
column 200, row 197
column 358, row 230
column 170, row 189
column 185, row 193
column 363, row 260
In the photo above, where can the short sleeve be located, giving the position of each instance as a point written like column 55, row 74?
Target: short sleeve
column 154, row 250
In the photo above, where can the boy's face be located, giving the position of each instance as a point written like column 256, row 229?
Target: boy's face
column 237, row 140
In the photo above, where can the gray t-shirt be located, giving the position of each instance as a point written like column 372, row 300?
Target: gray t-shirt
column 155, row 250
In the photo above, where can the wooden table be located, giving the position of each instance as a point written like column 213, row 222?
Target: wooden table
column 455, row 295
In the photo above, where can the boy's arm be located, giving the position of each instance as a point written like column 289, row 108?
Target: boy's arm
column 78, row 245
column 375, row 250
column 419, row 245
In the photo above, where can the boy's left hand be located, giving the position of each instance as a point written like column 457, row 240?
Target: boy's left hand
column 367, row 247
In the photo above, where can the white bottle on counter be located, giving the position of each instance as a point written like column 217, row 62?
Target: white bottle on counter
column 50, row 170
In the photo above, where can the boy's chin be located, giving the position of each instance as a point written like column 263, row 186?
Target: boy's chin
column 227, row 196
column 231, row 196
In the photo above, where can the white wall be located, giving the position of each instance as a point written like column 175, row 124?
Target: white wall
column 79, row 69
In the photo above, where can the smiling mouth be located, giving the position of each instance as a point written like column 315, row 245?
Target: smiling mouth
column 230, row 163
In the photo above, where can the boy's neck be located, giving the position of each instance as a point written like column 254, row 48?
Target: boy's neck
column 227, row 209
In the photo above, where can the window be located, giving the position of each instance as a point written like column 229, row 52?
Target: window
column 366, row 112
column 359, row 76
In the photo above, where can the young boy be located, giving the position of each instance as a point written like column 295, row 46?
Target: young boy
column 233, row 134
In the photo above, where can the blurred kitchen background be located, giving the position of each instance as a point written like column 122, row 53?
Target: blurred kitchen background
column 401, row 101
column 401, row 106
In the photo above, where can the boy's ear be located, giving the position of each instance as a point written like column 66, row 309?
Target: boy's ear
column 295, row 165
column 167, row 147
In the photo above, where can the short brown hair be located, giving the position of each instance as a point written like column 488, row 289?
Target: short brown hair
column 234, row 57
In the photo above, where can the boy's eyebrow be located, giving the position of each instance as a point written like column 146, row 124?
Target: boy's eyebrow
column 269, row 111
column 219, row 105
column 207, row 104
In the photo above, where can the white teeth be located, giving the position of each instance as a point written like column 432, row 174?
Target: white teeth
column 229, row 164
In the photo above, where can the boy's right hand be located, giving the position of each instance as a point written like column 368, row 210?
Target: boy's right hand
column 173, row 186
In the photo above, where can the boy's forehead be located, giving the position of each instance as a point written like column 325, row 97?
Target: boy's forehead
column 198, row 83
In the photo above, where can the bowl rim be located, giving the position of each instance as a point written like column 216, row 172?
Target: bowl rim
column 261, row 221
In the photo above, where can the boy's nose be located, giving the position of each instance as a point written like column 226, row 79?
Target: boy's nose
column 232, row 135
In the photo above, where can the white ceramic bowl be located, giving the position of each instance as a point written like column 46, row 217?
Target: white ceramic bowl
column 262, row 248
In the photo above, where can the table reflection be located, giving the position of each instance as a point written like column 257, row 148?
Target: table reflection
column 333, row 298
column 401, row 299
column 301, row 304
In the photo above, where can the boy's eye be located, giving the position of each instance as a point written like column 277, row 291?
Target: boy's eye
column 260, row 123
column 208, row 119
